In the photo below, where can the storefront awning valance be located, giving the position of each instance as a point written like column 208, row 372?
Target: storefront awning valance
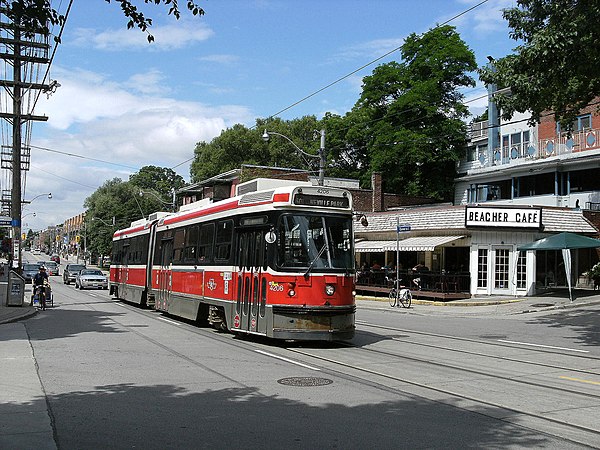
column 411, row 244
column 372, row 246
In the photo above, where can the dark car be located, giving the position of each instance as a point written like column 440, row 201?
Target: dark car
column 55, row 258
column 29, row 271
column 71, row 271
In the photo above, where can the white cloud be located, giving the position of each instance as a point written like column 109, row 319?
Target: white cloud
column 175, row 35
column 485, row 19
column 220, row 59
column 102, row 122
column 370, row 49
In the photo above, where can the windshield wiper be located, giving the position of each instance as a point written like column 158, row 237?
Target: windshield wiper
column 310, row 266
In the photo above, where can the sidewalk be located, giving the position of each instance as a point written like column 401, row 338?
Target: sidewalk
column 493, row 305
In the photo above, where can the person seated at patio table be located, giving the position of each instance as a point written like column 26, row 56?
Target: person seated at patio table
column 376, row 266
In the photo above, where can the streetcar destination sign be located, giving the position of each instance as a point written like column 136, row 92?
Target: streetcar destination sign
column 321, row 200
column 485, row 216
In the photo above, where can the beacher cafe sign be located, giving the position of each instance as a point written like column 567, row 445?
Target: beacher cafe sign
column 482, row 216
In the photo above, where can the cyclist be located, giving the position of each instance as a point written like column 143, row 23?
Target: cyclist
column 40, row 281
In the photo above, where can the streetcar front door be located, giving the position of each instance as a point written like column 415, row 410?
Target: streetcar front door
column 249, row 313
column 164, row 277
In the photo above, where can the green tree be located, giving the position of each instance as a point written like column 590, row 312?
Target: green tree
column 36, row 15
column 158, row 181
column 556, row 66
column 114, row 199
column 240, row 145
column 409, row 120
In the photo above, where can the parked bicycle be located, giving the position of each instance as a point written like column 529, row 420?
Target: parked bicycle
column 400, row 295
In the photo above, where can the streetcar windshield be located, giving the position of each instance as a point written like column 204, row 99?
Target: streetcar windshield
column 315, row 242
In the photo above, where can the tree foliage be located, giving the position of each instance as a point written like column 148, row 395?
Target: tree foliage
column 409, row 120
column 556, row 66
column 157, row 181
column 36, row 16
column 117, row 203
column 240, row 145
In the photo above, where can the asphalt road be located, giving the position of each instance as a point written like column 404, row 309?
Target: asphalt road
column 93, row 372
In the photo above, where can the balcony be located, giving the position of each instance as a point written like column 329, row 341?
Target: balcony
column 562, row 144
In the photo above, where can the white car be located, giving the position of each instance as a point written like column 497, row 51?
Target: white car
column 91, row 278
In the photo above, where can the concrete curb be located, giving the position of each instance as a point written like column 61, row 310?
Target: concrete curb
column 7, row 315
column 448, row 303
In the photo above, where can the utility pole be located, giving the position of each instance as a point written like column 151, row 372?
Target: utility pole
column 18, row 52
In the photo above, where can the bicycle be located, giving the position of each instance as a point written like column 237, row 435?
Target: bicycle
column 400, row 295
column 41, row 294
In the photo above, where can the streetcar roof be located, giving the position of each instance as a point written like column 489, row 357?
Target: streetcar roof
column 277, row 197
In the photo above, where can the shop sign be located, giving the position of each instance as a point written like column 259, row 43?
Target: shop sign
column 484, row 216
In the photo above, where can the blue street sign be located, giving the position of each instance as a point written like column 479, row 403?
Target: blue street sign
column 403, row 228
column 6, row 222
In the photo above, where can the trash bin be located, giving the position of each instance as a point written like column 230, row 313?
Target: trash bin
column 16, row 289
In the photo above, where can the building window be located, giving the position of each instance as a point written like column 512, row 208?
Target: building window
column 482, row 268
column 501, row 268
column 581, row 123
column 521, row 270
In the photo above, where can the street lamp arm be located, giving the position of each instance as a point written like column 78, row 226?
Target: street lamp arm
column 266, row 135
column 155, row 195
column 104, row 221
column 49, row 195
column 320, row 156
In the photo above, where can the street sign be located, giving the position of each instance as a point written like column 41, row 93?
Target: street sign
column 6, row 222
column 403, row 228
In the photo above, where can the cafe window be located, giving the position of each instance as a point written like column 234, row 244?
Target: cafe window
column 521, row 270
column 482, row 267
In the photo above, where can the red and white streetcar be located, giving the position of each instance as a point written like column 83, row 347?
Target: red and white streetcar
column 276, row 262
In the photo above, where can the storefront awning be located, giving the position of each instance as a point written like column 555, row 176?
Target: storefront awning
column 412, row 244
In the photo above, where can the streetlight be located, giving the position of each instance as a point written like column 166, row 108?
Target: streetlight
column 49, row 195
column 321, row 154
column 172, row 204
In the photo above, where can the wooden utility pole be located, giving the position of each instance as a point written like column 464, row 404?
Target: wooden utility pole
column 18, row 52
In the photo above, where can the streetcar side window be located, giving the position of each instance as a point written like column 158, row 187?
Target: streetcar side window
column 205, row 244
column 178, row 246
column 158, row 249
column 191, row 244
column 223, row 240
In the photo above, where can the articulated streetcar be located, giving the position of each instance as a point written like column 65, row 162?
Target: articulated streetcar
column 276, row 262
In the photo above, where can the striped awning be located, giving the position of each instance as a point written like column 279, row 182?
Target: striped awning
column 411, row 244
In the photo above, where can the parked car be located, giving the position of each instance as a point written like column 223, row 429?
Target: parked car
column 91, row 278
column 71, row 271
column 29, row 271
column 55, row 258
column 51, row 268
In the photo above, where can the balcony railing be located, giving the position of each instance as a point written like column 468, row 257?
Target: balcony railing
column 562, row 144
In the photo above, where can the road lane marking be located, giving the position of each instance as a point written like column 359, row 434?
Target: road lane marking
column 544, row 346
column 170, row 321
column 581, row 381
column 287, row 360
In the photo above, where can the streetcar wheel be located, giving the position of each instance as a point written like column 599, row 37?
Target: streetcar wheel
column 392, row 297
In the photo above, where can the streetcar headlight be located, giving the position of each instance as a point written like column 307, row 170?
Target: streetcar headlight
column 291, row 292
column 330, row 289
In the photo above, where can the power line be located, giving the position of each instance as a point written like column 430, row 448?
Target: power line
column 74, row 155
column 371, row 62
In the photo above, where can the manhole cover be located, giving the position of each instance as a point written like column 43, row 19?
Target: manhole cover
column 305, row 381
column 542, row 305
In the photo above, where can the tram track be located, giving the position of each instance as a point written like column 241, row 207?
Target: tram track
column 557, row 428
column 495, row 344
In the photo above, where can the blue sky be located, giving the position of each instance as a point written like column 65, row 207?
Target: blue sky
column 124, row 103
